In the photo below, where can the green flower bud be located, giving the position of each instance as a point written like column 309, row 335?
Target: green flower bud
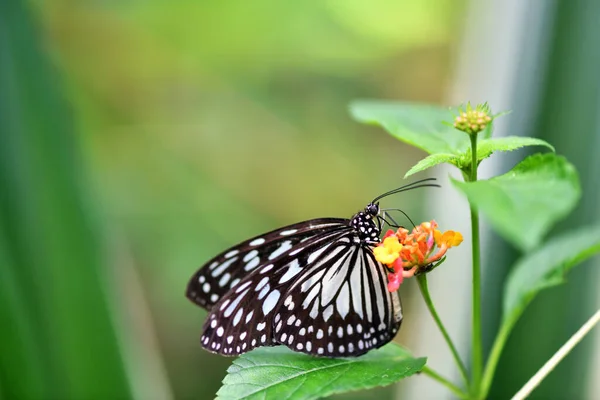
column 473, row 120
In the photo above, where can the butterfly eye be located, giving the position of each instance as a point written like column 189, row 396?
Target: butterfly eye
column 372, row 209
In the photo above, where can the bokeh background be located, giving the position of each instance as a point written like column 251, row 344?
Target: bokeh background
column 139, row 138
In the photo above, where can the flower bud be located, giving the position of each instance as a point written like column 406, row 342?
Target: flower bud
column 473, row 120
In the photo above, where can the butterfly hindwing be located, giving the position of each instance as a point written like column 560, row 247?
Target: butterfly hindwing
column 226, row 270
column 244, row 317
column 340, row 305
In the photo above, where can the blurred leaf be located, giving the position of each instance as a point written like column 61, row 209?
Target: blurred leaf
column 431, row 161
column 57, row 338
column 547, row 267
column 486, row 147
column 416, row 124
column 279, row 373
column 525, row 202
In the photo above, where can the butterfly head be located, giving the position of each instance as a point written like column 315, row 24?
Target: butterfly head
column 366, row 223
column 372, row 209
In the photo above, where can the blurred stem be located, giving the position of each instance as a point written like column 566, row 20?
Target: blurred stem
column 557, row 357
column 422, row 281
column 494, row 357
column 476, row 317
column 452, row 387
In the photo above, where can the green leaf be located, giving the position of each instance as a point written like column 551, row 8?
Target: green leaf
column 524, row 203
column 486, row 147
column 59, row 338
column 416, row 124
column 279, row 373
column 547, row 267
column 432, row 160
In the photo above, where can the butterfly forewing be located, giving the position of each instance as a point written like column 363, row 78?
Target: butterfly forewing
column 227, row 269
column 245, row 316
column 340, row 305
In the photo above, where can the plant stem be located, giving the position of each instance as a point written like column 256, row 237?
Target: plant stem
column 452, row 387
column 477, row 360
column 557, row 357
column 494, row 357
column 422, row 281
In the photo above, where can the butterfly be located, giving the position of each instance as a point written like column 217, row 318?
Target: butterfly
column 314, row 286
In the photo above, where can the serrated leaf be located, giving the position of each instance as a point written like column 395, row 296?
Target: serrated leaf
column 416, row 124
column 547, row 267
column 431, row 161
column 486, row 147
column 279, row 373
column 525, row 202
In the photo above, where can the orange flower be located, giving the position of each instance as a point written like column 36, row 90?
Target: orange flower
column 407, row 254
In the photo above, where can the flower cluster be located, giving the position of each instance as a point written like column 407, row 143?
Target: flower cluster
column 406, row 254
column 473, row 120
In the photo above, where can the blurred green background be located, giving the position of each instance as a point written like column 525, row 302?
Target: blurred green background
column 139, row 138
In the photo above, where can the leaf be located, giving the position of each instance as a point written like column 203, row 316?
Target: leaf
column 432, row 160
column 525, row 202
column 547, row 267
column 486, row 147
column 59, row 338
column 416, row 124
column 279, row 373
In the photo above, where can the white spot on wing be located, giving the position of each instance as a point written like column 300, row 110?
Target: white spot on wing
column 264, row 292
column 266, row 269
column 252, row 264
column 343, row 301
column 262, row 283
column 238, row 316
column 288, row 232
column 242, row 287
column 256, row 242
column 250, row 255
column 293, row 270
column 283, row 247
column 249, row 316
column 224, row 279
column 231, row 253
column 328, row 313
column 234, row 304
column 218, row 271
column 270, row 301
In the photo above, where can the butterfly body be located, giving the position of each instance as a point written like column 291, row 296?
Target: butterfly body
column 314, row 286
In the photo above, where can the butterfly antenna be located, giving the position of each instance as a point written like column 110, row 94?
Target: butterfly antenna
column 385, row 215
column 410, row 186
column 397, row 209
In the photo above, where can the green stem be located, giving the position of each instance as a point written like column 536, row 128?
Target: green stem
column 494, row 357
column 422, row 281
column 452, row 387
column 477, row 360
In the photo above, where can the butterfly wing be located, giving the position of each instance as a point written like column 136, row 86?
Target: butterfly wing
column 340, row 305
column 227, row 269
column 244, row 317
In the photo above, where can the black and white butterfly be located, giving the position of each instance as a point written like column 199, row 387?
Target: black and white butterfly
column 314, row 286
